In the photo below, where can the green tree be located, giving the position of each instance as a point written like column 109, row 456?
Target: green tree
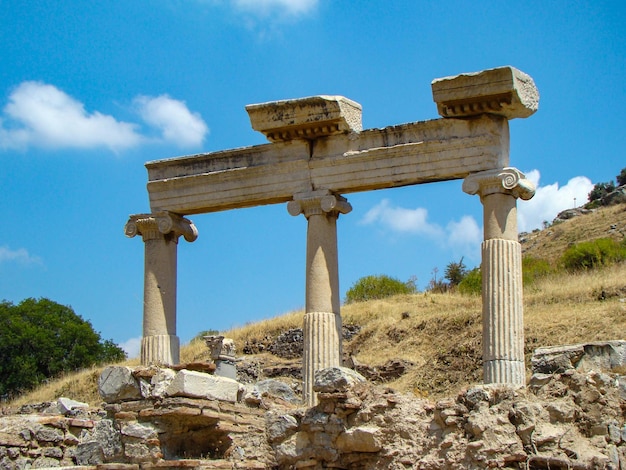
column 455, row 272
column 378, row 287
column 40, row 339
column 621, row 178
column 600, row 190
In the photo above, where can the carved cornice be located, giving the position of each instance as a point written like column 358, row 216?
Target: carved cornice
column 502, row 180
column 318, row 203
column 160, row 225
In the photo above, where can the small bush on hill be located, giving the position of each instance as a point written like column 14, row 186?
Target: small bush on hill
column 534, row 268
column 593, row 254
column 472, row 283
column 378, row 287
column 621, row 178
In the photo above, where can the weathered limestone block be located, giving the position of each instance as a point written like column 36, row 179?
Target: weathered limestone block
column 100, row 444
column 194, row 384
column 280, row 426
column 360, row 439
column 160, row 381
column 336, row 379
column 66, row 405
column 305, row 118
column 505, row 91
column 599, row 356
column 275, row 388
column 116, row 383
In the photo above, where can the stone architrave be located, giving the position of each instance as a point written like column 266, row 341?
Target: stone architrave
column 503, row 311
column 160, row 233
column 322, row 318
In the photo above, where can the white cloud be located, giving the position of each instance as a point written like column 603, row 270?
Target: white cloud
column 281, row 7
column 172, row 117
column 550, row 200
column 45, row 116
column 462, row 237
column 41, row 115
column 399, row 219
column 132, row 347
column 20, row 256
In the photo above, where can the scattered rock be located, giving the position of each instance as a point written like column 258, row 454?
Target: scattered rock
column 117, row 383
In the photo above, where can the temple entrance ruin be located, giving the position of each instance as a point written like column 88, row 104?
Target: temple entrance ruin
column 318, row 153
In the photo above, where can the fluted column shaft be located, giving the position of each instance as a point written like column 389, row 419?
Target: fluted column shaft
column 322, row 318
column 502, row 289
column 160, row 233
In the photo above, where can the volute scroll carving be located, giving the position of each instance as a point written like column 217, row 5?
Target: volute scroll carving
column 318, row 203
column 501, row 180
column 160, row 224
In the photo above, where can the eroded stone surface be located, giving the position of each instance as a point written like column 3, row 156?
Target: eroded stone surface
column 116, row 383
column 505, row 91
column 200, row 385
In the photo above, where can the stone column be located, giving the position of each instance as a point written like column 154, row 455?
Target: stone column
column 502, row 290
column 160, row 232
column 322, row 319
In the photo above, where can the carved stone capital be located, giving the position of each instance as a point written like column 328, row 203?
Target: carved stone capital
column 503, row 180
column 318, row 203
column 160, row 225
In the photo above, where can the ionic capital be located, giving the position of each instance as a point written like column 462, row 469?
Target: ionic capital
column 160, row 225
column 502, row 180
column 318, row 203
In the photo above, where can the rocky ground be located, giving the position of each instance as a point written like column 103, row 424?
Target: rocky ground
column 571, row 416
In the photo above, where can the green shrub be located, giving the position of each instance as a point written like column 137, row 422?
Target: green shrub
column 472, row 282
column 593, row 254
column 378, row 287
column 533, row 269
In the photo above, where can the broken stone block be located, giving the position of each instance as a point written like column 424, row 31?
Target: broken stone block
column 505, row 91
column 360, row 439
column 67, row 404
column 599, row 356
column 194, row 384
column 116, row 383
column 160, row 381
column 305, row 118
column 336, row 379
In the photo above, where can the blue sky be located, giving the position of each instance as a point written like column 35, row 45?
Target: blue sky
column 90, row 91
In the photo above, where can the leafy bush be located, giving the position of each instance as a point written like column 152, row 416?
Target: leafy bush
column 472, row 282
column 534, row 268
column 40, row 339
column 600, row 190
column 593, row 254
column 621, row 178
column 378, row 287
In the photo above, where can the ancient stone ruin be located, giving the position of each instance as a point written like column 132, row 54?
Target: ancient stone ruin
column 155, row 418
column 318, row 153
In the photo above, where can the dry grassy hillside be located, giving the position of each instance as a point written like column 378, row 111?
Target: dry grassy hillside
column 440, row 334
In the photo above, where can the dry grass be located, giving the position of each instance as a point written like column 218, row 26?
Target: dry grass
column 441, row 333
column 550, row 243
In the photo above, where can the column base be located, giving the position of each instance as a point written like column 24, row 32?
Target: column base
column 502, row 371
column 322, row 348
column 160, row 350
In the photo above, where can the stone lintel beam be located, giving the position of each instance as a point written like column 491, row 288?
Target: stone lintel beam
column 401, row 155
column 305, row 118
column 160, row 224
column 504, row 91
